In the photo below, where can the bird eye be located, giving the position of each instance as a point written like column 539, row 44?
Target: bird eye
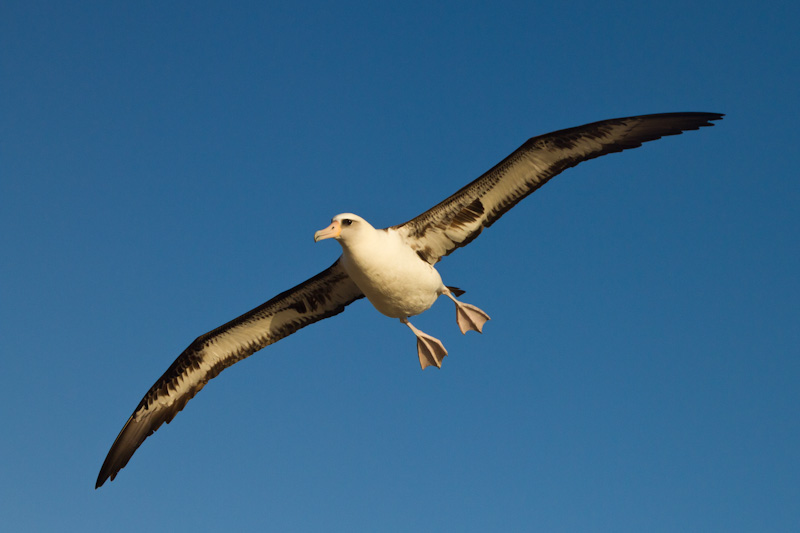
column 346, row 222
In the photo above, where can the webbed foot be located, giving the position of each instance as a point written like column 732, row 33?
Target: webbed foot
column 468, row 316
column 430, row 350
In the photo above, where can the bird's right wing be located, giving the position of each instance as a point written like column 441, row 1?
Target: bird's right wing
column 459, row 219
column 322, row 296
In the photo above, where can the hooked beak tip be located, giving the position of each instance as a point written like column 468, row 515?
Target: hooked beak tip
column 331, row 231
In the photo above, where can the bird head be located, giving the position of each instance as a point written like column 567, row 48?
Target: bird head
column 343, row 226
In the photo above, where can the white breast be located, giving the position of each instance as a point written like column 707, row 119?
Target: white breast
column 391, row 275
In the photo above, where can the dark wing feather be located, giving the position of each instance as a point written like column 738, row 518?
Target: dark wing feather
column 456, row 221
column 324, row 295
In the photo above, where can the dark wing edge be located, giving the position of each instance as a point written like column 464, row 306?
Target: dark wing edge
column 319, row 297
column 460, row 218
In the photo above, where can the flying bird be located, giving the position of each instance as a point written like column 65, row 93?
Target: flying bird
column 394, row 268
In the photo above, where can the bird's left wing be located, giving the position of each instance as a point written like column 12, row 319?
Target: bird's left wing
column 460, row 218
column 322, row 296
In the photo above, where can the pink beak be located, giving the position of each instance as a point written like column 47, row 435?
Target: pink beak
column 331, row 231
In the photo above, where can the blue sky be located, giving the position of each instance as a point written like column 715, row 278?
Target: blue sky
column 163, row 169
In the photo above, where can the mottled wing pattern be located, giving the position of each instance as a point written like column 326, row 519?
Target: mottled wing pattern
column 459, row 219
column 324, row 295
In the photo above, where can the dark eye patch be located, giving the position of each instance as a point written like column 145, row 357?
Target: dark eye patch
column 346, row 222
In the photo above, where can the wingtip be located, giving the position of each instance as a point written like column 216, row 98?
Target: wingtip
column 709, row 117
column 104, row 475
column 695, row 115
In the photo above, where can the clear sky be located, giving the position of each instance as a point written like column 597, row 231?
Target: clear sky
column 164, row 165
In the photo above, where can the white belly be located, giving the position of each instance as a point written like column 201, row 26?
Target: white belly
column 392, row 277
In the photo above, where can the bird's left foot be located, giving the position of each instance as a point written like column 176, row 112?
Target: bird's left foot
column 430, row 350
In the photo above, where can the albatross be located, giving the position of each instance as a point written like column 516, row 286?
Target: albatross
column 394, row 268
